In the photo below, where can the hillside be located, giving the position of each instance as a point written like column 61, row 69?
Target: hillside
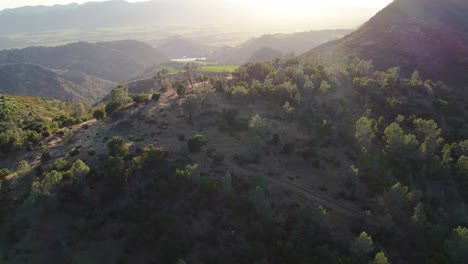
column 113, row 61
column 426, row 35
column 285, row 43
column 35, row 80
column 264, row 55
column 254, row 168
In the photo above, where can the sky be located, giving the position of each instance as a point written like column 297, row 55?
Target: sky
column 273, row 5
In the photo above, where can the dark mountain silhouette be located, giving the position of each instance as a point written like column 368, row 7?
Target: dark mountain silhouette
column 115, row 61
column 426, row 35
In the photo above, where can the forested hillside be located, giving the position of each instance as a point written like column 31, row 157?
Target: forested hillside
column 288, row 162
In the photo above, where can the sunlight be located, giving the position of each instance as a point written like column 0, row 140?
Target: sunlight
column 294, row 9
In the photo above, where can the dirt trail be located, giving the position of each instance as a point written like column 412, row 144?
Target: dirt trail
column 312, row 196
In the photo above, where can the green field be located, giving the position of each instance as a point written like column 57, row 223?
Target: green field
column 219, row 68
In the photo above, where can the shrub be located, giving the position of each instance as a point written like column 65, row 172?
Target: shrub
column 275, row 140
column 195, row 144
column 140, row 98
column 59, row 165
column 99, row 114
column 74, row 153
column 156, row 97
column 111, row 108
column 46, row 156
column 4, row 173
column 91, row 153
column 288, row 148
column 135, row 139
column 117, row 146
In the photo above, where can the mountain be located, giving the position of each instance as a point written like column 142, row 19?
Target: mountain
column 116, row 13
column 177, row 47
column 265, row 54
column 35, row 80
column 284, row 43
column 114, row 61
column 426, row 35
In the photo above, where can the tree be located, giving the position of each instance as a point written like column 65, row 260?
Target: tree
column 195, row 144
column 288, row 110
column 415, row 81
column 99, row 114
column 118, row 99
column 117, row 146
column 259, row 126
column 226, row 183
column 261, row 204
column 361, row 247
column 116, row 174
column 190, row 70
column 190, row 105
column 380, row 258
column 119, row 95
column 194, row 173
column 365, row 131
column 457, row 246
column 4, row 172
column 395, row 199
column 79, row 170
column 429, row 134
column 324, row 86
column 48, row 187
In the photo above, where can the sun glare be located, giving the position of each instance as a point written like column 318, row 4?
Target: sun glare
column 296, row 9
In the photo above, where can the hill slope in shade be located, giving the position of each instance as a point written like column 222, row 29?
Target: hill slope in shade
column 426, row 35
column 115, row 61
column 285, row 43
column 35, row 80
column 265, row 54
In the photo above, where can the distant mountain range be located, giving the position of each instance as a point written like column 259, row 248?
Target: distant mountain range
column 76, row 71
column 283, row 43
column 118, row 13
column 426, row 35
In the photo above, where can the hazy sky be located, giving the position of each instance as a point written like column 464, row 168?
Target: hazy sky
column 274, row 5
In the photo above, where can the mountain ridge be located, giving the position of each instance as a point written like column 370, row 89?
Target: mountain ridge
column 430, row 36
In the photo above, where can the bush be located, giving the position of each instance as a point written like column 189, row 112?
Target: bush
column 288, row 148
column 91, row 153
column 74, row 153
column 156, row 97
column 135, row 139
column 140, row 99
column 111, row 108
column 59, row 165
column 275, row 140
column 99, row 114
column 117, row 146
column 46, row 156
column 195, row 144
column 4, row 173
